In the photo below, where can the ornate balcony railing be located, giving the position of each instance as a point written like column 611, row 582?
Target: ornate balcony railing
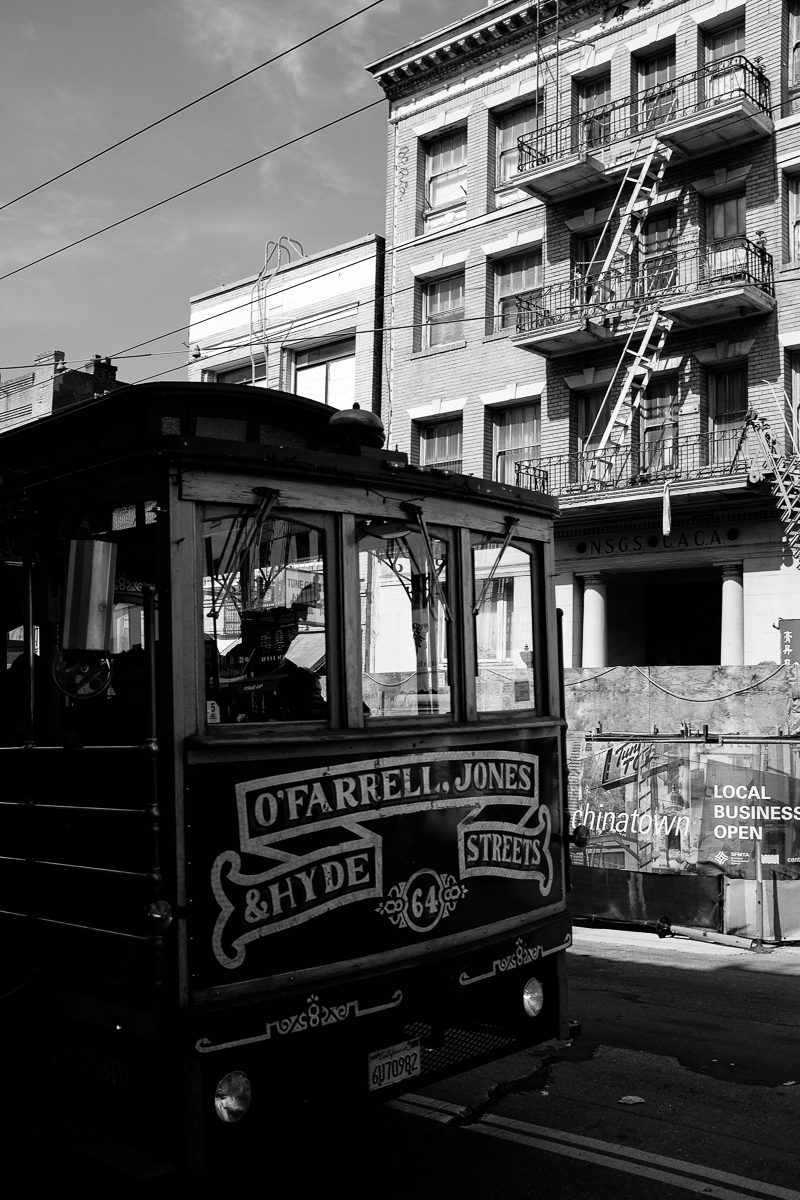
column 645, row 283
column 646, row 112
column 700, row 456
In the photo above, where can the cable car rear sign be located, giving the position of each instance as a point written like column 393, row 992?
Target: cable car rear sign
column 331, row 837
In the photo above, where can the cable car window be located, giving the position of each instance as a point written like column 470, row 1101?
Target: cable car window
column 505, row 631
column 264, row 617
column 405, row 619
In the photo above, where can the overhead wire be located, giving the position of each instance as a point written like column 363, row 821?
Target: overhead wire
column 193, row 324
column 194, row 187
column 184, row 107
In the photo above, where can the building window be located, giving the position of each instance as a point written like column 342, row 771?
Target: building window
column 794, row 43
column 243, row 374
column 591, row 421
column 794, row 375
column 595, row 117
column 445, row 179
column 657, row 93
column 444, row 310
column 515, row 279
column 660, row 425
column 728, row 404
column 510, row 127
column 660, row 253
column 440, row 445
column 726, row 227
column 517, row 437
column 793, row 190
column 590, row 255
column 724, row 78
column 327, row 373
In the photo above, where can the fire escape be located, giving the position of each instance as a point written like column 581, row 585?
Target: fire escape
column 635, row 289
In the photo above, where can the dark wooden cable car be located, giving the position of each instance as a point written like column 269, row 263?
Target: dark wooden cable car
column 282, row 745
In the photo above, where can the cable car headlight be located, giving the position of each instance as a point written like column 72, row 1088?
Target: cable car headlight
column 532, row 998
column 232, row 1097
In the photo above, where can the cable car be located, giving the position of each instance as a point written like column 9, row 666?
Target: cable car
column 283, row 752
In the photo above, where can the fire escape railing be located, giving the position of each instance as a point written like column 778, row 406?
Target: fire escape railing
column 651, row 458
column 645, row 283
column 646, row 112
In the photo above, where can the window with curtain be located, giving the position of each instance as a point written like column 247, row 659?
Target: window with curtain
column 444, row 310
column 440, row 445
column 327, row 373
column 510, row 127
column 793, row 194
column 794, row 43
column 516, row 277
column 726, row 229
column 595, row 127
column 723, row 77
column 659, row 441
column 794, row 374
column 728, row 407
column 445, row 175
column 517, row 437
column 590, row 255
column 659, row 252
column 589, row 405
column 657, row 93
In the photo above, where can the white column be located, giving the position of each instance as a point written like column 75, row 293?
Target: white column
column 577, row 622
column 595, row 629
column 731, row 653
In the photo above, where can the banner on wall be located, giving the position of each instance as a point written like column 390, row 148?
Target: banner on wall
column 691, row 808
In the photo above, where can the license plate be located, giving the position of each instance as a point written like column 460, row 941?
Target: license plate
column 394, row 1064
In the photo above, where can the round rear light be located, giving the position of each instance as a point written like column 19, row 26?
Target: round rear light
column 532, row 998
column 232, row 1097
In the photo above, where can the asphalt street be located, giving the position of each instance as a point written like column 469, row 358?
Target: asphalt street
column 685, row 1079
column 706, row 1041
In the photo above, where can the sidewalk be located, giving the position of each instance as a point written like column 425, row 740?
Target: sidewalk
column 646, row 947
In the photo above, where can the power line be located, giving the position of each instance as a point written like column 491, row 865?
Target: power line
column 176, row 112
column 185, row 191
column 125, row 353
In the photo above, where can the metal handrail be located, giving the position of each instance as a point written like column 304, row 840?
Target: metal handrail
column 648, row 110
column 505, row 458
column 644, row 282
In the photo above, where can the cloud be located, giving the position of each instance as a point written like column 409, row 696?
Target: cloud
column 239, row 34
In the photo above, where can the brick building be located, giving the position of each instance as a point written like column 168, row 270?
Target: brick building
column 592, row 278
column 52, row 385
column 516, row 138
column 304, row 324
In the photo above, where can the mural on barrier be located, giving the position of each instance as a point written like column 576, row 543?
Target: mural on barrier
column 691, row 807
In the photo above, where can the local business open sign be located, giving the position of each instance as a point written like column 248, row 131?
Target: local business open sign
column 691, row 807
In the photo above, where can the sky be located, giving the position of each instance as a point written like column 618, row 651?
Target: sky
column 78, row 75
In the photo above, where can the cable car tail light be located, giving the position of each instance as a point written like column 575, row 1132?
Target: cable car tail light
column 232, row 1097
column 532, row 998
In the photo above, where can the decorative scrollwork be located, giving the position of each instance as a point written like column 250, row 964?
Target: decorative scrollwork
column 520, row 956
column 401, row 172
column 316, row 1015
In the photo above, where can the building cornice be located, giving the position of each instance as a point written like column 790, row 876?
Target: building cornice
column 475, row 39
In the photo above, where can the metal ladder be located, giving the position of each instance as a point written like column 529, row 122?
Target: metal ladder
column 643, row 346
column 785, row 483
